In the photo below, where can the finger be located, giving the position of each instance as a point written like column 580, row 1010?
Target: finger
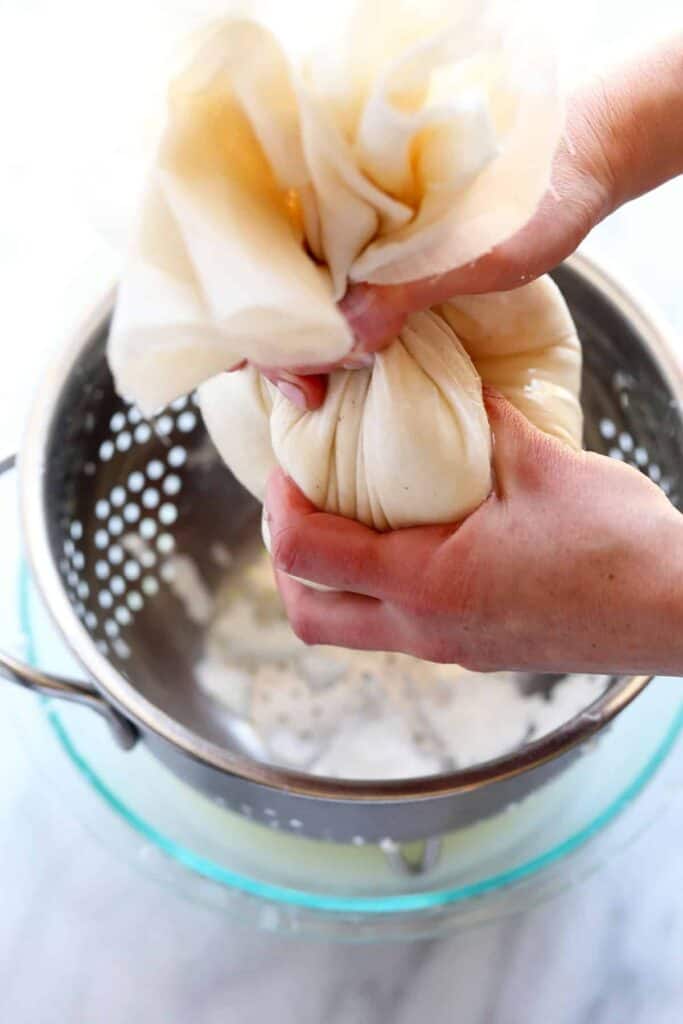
column 565, row 215
column 341, row 619
column 342, row 553
column 523, row 456
column 305, row 392
column 376, row 314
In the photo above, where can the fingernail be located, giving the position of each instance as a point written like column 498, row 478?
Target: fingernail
column 237, row 366
column 374, row 316
column 358, row 305
column 292, row 393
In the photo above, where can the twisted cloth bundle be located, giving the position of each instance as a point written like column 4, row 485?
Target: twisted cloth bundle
column 424, row 138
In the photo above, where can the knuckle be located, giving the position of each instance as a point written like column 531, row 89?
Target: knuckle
column 284, row 549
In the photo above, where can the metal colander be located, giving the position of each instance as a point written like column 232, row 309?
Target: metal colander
column 113, row 507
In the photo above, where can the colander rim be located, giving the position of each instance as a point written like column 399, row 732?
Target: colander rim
column 115, row 688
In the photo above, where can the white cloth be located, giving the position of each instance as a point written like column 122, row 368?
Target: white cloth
column 408, row 442
column 419, row 139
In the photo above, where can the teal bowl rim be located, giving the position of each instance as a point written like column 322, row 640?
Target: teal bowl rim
column 404, row 903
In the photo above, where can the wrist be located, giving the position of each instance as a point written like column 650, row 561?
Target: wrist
column 630, row 125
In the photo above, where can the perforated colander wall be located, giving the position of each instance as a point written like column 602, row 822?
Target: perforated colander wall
column 120, row 551
column 113, row 573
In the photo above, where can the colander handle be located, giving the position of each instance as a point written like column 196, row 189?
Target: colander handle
column 124, row 732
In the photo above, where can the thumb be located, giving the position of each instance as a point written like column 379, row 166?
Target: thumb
column 523, row 456
column 376, row 313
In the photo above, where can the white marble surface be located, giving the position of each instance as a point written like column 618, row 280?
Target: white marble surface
column 84, row 937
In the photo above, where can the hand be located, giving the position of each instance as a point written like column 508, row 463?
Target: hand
column 622, row 138
column 575, row 563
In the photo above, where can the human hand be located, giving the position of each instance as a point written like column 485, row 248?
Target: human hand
column 620, row 140
column 572, row 564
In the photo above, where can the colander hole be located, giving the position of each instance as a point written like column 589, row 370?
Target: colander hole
column 172, row 485
column 131, row 513
column 111, row 628
column 64, row 566
column 143, row 433
column 150, row 498
column 295, row 823
column 118, row 497
column 117, row 422
column 616, row 453
column 654, row 472
column 274, row 823
column 117, row 586
column 136, row 482
column 148, row 529
column 187, row 421
column 150, row 586
column 166, row 544
column 102, row 570
column 121, row 648
column 69, row 548
column 608, row 429
column 666, row 486
column 641, row 456
column 164, row 426
column 101, row 539
column 105, row 599
column 116, row 554
column 155, row 469
column 358, row 841
column 76, row 530
column 168, row 514
column 91, row 620
column 179, row 404
column 135, row 602
column 79, row 608
column 131, row 570
column 134, row 415
column 194, row 399
column 247, row 810
column 626, row 442
column 123, row 616
column 103, row 647
column 102, row 509
column 270, row 813
column 78, row 561
column 83, row 590
column 116, row 526
column 177, row 457
column 124, row 441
